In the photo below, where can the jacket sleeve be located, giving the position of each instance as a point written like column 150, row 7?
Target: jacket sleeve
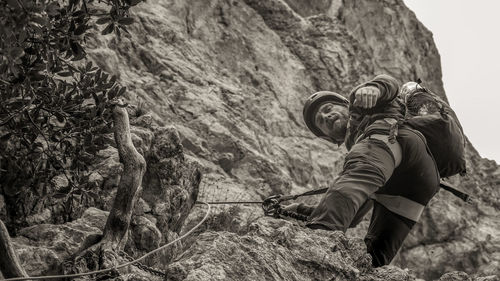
column 388, row 86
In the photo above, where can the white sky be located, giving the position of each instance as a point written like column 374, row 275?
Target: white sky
column 467, row 35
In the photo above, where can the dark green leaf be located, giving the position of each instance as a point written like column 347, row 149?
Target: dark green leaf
column 135, row 2
column 3, row 67
column 68, row 53
column 126, row 21
column 93, row 113
column 13, row 4
column 39, row 19
column 75, row 47
column 37, row 76
column 78, row 13
column 98, row 74
column 79, row 57
column 30, row 51
column 88, row 67
column 80, row 30
column 22, row 36
column 37, row 144
column 112, row 93
column 65, row 74
column 59, row 116
column 39, row 66
column 72, row 27
column 51, row 8
column 77, row 192
column 73, row 4
column 96, row 97
column 5, row 137
column 122, row 91
column 45, row 89
column 36, row 113
column 91, row 149
column 108, row 29
column 103, row 20
column 59, row 196
column 67, row 144
column 125, row 29
column 112, row 80
column 68, row 97
column 25, row 143
column 88, row 140
column 16, row 103
column 78, row 51
column 94, row 195
column 16, row 53
column 86, row 94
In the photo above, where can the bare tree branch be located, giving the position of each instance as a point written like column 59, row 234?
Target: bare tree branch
column 134, row 166
column 9, row 262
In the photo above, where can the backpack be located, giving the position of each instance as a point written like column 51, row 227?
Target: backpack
column 433, row 117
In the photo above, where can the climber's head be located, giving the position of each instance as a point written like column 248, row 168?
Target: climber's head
column 326, row 115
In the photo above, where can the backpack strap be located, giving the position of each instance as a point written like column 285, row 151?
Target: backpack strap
column 385, row 125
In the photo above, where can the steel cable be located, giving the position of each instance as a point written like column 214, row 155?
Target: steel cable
column 121, row 265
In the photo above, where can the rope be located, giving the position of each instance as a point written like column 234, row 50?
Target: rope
column 121, row 265
column 229, row 202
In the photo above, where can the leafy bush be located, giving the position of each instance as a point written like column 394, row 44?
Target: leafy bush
column 55, row 104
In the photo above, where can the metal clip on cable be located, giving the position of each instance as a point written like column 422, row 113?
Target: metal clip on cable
column 271, row 206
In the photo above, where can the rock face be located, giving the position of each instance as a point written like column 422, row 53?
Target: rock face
column 42, row 248
column 279, row 250
column 231, row 77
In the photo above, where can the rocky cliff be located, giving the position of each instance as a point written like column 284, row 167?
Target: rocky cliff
column 231, row 76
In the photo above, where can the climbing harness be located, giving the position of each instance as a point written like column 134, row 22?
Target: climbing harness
column 132, row 262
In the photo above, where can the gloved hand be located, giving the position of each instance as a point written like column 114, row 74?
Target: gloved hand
column 366, row 97
column 292, row 207
column 299, row 208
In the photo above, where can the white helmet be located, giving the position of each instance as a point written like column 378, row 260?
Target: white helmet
column 410, row 88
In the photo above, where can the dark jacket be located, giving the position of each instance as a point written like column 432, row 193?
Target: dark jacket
column 361, row 121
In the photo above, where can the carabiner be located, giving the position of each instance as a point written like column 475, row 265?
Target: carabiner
column 271, row 206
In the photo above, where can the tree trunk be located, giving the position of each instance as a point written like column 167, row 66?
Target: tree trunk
column 105, row 253
column 134, row 166
column 9, row 262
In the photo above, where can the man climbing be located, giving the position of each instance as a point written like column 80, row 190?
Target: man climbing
column 387, row 162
